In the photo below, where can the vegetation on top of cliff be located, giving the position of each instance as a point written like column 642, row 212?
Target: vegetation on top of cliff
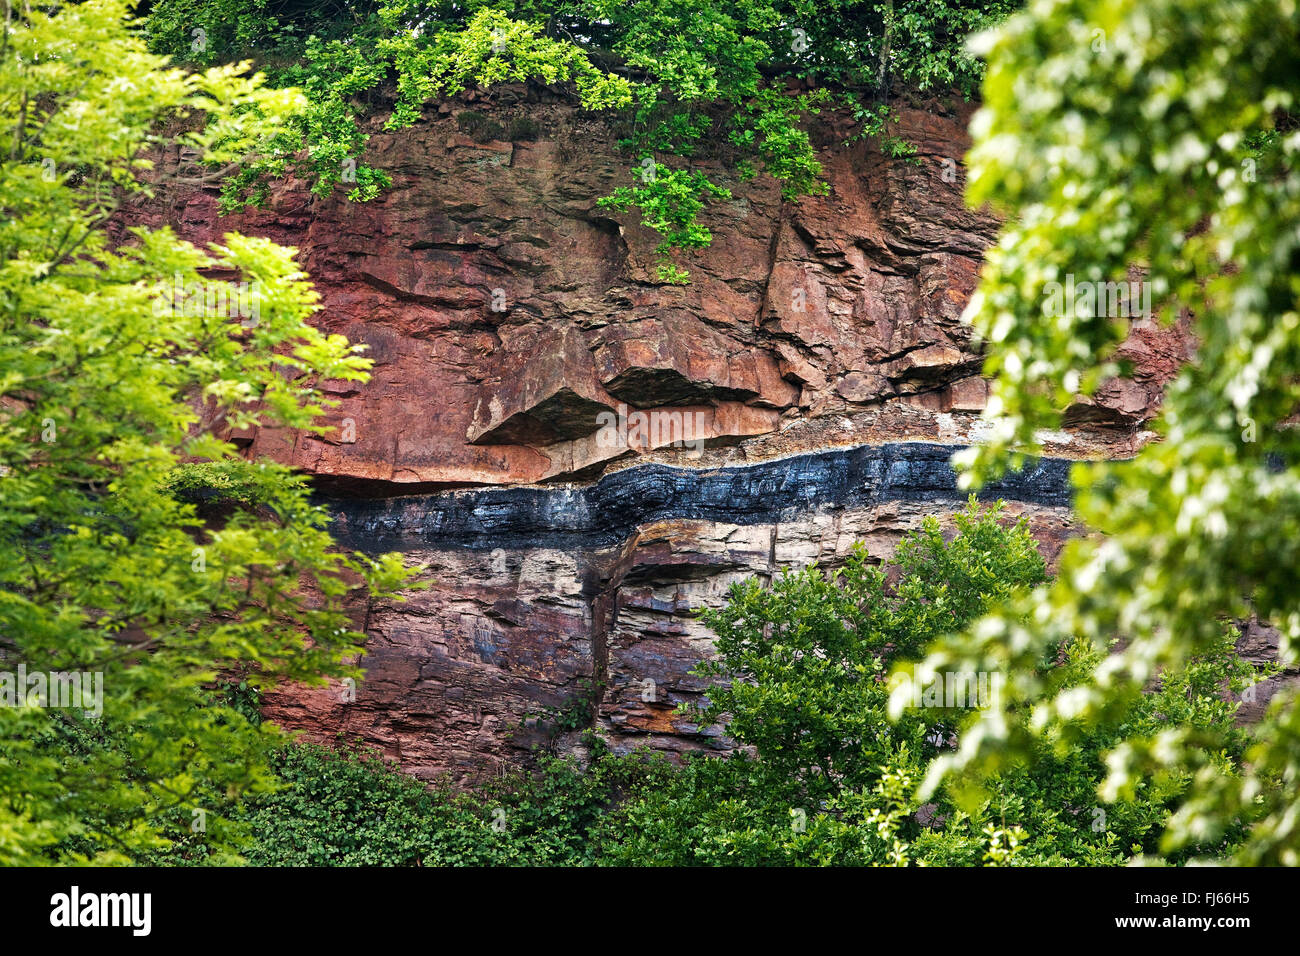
column 118, row 606
column 678, row 78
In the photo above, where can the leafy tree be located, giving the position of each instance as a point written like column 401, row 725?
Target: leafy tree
column 1158, row 139
column 824, row 778
column 105, row 565
column 802, row 665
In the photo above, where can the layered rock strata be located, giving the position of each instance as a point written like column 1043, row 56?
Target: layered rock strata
column 581, row 456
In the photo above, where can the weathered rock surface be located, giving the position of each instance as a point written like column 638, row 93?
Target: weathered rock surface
column 505, row 309
column 457, row 676
column 802, row 392
column 559, row 599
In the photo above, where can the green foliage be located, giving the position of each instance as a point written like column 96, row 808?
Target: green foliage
column 670, row 200
column 105, row 568
column 877, row 121
column 426, row 55
column 802, row 663
column 678, row 77
column 243, row 698
column 1157, row 137
column 348, row 807
column 492, row 48
column 771, row 121
column 832, row 781
column 228, row 480
column 576, row 713
column 142, row 818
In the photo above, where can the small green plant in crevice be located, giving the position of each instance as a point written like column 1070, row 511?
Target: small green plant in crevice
column 478, row 126
column 243, row 698
column 521, row 129
column 483, row 129
column 878, row 122
column 577, row 712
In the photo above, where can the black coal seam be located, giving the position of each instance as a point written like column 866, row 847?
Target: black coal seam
column 610, row 510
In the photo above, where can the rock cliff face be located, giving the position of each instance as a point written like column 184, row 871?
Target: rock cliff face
column 581, row 456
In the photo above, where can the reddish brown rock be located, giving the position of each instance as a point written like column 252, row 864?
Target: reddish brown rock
column 511, row 320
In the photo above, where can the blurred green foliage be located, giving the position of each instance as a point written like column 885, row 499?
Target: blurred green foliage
column 1154, row 141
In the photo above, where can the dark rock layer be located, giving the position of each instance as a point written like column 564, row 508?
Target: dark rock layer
column 612, row 509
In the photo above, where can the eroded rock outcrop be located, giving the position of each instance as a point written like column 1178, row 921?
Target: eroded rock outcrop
column 581, row 455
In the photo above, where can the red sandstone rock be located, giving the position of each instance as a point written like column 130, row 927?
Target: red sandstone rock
column 506, row 313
